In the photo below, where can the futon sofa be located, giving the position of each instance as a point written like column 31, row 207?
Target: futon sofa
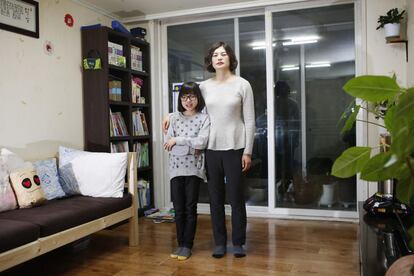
column 28, row 233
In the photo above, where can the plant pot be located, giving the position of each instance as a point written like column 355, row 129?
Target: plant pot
column 304, row 190
column 392, row 29
column 328, row 195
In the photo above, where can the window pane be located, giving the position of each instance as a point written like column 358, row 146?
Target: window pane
column 314, row 56
column 253, row 69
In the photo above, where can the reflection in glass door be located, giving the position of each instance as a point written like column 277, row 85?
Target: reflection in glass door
column 313, row 57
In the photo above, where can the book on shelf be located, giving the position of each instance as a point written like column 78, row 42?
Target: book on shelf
column 116, row 54
column 142, row 154
column 136, row 85
column 119, row 147
column 144, row 123
column 144, row 195
column 136, row 58
column 117, row 124
column 139, row 122
column 115, row 90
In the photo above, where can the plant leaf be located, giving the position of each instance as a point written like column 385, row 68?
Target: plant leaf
column 372, row 88
column 389, row 119
column 405, row 106
column 351, row 120
column 405, row 189
column 402, row 138
column 376, row 169
column 351, row 161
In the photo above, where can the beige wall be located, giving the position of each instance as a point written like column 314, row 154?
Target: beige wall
column 40, row 94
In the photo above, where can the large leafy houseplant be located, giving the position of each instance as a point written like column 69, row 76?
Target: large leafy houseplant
column 396, row 116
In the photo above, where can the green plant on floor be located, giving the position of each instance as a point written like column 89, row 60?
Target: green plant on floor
column 393, row 16
column 384, row 98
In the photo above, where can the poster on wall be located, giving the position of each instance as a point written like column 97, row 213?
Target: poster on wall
column 20, row 16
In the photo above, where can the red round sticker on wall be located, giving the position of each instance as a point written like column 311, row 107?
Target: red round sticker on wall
column 69, row 20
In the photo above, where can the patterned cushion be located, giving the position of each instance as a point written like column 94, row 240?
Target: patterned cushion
column 49, row 179
column 26, row 185
column 68, row 180
column 7, row 198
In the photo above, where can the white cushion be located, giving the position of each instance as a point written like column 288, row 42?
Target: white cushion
column 13, row 161
column 7, row 198
column 98, row 174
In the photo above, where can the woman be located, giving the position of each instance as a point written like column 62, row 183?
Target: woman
column 229, row 103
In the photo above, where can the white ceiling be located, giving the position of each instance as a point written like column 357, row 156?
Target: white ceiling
column 124, row 9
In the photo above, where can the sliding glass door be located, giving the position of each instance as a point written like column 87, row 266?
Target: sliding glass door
column 297, row 116
column 313, row 57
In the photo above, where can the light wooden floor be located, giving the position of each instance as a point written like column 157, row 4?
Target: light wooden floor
column 274, row 247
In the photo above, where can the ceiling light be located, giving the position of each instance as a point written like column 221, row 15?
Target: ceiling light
column 318, row 64
column 257, row 45
column 301, row 40
column 289, row 67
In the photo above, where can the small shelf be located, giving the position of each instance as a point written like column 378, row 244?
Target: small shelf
column 118, row 68
column 397, row 39
column 119, row 138
column 121, row 103
column 139, row 73
column 140, row 105
column 141, row 137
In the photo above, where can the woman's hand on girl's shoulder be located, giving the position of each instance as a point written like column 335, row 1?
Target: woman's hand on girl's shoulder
column 169, row 144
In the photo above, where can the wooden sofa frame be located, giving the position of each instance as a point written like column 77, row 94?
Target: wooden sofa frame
column 43, row 245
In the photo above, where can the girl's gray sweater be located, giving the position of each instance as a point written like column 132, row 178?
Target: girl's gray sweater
column 190, row 133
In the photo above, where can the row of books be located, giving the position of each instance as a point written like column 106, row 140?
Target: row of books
column 115, row 90
column 116, row 54
column 142, row 154
column 117, row 126
column 136, row 85
column 141, row 149
column 144, row 193
column 139, row 123
column 119, row 147
column 136, row 58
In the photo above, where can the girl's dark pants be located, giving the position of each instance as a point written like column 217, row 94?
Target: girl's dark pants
column 184, row 192
column 227, row 164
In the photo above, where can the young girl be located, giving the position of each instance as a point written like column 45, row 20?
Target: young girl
column 187, row 136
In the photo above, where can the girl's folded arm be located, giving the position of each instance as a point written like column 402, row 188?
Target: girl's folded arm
column 198, row 142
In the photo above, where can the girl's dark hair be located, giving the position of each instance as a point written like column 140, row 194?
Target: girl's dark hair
column 229, row 51
column 190, row 88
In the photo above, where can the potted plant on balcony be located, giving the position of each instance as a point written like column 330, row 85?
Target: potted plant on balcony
column 391, row 22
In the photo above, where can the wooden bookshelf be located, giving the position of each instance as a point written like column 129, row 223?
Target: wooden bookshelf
column 96, row 102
